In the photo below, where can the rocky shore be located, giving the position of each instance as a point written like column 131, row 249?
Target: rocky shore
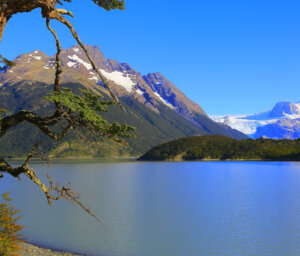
column 32, row 250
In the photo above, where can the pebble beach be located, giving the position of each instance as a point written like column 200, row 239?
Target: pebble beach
column 32, row 250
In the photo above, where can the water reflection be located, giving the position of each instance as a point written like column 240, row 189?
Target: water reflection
column 192, row 208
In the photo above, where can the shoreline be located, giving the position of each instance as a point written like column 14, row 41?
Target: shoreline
column 213, row 160
column 137, row 159
column 115, row 159
column 29, row 249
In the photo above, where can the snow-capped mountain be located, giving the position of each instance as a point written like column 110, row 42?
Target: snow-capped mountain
column 153, row 90
column 282, row 122
column 159, row 110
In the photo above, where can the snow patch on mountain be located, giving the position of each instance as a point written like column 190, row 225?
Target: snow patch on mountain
column 140, row 92
column 120, row 79
column 37, row 57
column 94, row 78
column 50, row 64
column 164, row 101
column 75, row 59
column 71, row 64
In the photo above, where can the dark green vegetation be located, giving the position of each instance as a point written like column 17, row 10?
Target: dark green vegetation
column 153, row 128
column 10, row 236
column 223, row 148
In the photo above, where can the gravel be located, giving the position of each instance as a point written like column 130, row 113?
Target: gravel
column 31, row 250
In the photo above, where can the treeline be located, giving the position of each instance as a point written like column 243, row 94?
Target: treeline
column 224, row 148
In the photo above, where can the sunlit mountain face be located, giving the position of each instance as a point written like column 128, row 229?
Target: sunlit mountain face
column 159, row 110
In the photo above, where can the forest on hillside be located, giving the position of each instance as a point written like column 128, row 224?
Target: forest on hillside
column 224, row 148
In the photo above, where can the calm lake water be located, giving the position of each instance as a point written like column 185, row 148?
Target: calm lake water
column 168, row 209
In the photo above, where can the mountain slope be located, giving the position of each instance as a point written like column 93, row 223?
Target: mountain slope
column 154, row 105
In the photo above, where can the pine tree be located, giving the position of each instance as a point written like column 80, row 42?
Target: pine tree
column 10, row 237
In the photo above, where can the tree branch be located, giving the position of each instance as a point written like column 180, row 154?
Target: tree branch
column 59, row 71
column 62, row 191
column 40, row 122
column 7, row 9
column 94, row 66
column 65, row 12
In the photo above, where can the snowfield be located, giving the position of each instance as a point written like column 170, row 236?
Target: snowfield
column 249, row 124
column 120, row 79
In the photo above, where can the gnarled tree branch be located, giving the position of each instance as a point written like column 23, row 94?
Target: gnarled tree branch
column 40, row 122
column 48, row 7
column 60, row 18
column 61, row 191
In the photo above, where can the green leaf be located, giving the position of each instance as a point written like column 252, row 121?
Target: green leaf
column 85, row 113
column 6, row 63
column 110, row 4
column 2, row 112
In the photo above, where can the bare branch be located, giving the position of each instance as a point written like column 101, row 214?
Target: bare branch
column 58, row 72
column 102, row 77
column 62, row 191
column 72, row 197
column 65, row 12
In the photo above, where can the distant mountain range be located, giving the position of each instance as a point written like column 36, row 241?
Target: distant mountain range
column 282, row 122
column 159, row 110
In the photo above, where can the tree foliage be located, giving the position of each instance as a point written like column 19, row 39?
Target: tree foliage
column 84, row 112
column 10, row 236
column 5, row 63
column 71, row 111
column 2, row 112
column 223, row 148
column 110, row 4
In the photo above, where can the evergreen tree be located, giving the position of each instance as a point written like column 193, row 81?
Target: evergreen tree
column 10, row 237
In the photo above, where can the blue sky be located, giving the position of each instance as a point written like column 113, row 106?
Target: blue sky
column 231, row 57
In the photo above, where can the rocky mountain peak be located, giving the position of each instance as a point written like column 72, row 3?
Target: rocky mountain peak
column 284, row 107
column 33, row 56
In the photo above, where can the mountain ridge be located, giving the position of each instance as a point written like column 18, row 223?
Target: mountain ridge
column 164, row 110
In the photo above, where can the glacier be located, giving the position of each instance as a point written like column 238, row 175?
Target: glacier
column 282, row 122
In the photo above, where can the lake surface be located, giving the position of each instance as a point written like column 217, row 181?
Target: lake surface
column 168, row 209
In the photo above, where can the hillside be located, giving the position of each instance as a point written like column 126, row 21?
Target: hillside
column 156, row 107
column 223, row 148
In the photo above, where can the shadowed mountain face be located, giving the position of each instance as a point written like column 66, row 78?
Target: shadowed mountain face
column 154, row 105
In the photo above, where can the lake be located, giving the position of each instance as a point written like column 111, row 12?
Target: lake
column 167, row 208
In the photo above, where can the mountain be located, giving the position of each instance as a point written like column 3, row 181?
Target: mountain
column 281, row 122
column 159, row 110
